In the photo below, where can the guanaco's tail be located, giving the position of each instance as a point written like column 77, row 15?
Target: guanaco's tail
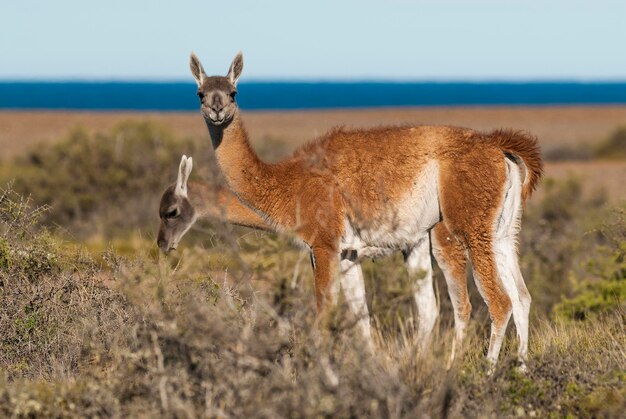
column 522, row 146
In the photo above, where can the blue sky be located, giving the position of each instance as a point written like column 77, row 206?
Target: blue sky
column 323, row 39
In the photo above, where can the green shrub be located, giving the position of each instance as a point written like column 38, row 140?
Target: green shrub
column 114, row 179
column 556, row 232
column 5, row 255
column 614, row 147
column 601, row 284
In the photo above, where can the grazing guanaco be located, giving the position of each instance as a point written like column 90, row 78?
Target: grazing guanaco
column 385, row 188
column 184, row 202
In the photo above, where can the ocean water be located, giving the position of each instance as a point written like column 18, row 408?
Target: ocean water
column 305, row 95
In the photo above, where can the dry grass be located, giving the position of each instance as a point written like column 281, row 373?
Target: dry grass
column 227, row 326
column 177, row 337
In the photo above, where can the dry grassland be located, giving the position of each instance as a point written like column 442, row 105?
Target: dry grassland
column 94, row 322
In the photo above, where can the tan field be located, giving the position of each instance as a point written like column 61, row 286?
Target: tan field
column 556, row 127
column 95, row 322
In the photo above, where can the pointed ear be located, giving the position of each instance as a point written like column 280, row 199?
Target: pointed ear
column 236, row 67
column 186, row 164
column 196, row 69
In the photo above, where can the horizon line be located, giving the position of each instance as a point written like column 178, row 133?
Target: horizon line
column 468, row 80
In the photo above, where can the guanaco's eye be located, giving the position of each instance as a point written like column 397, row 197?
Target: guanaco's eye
column 172, row 213
column 232, row 95
column 200, row 95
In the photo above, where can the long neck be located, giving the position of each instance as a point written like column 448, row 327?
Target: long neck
column 214, row 201
column 255, row 182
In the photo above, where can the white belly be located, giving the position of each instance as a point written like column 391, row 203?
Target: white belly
column 403, row 224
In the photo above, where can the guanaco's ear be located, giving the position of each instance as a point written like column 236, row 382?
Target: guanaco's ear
column 186, row 164
column 196, row 69
column 236, row 67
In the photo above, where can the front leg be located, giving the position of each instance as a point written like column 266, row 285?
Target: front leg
column 324, row 261
column 350, row 280
column 419, row 266
column 353, row 286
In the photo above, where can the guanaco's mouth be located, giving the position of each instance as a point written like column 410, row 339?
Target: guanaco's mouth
column 213, row 118
column 168, row 250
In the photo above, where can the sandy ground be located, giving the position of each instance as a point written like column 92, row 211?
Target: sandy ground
column 554, row 126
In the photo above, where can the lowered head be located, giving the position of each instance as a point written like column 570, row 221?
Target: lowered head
column 217, row 93
column 175, row 210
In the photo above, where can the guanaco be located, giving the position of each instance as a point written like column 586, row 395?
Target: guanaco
column 372, row 190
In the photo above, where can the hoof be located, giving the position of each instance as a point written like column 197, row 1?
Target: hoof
column 491, row 366
column 522, row 368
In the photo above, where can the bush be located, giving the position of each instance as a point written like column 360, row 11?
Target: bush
column 51, row 295
column 600, row 286
column 106, row 181
column 613, row 147
column 556, row 232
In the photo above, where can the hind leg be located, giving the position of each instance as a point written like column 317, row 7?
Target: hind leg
column 450, row 256
column 507, row 258
column 472, row 196
column 493, row 292
column 513, row 282
column 525, row 300
column 420, row 270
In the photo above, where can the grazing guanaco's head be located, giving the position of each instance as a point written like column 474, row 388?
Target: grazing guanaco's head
column 175, row 210
column 217, row 93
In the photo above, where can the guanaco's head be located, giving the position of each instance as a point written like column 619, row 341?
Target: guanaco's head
column 176, row 212
column 217, row 93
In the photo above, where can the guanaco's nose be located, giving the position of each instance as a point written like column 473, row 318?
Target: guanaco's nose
column 164, row 247
column 217, row 104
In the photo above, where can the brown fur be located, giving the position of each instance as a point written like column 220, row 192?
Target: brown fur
column 349, row 171
column 524, row 146
column 479, row 167
column 447, row 248
column 218, row 202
